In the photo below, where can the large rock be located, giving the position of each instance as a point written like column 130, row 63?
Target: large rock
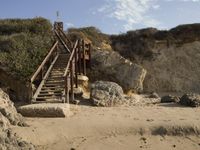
column 45, row 110
column 106, row 94
column 110, row 66
column 9, row 111
column 192, row 100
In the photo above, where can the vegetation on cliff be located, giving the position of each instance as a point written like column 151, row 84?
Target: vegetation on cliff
column 91, row 34
column 24, row 44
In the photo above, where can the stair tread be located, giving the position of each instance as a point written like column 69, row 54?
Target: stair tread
column 50, row 95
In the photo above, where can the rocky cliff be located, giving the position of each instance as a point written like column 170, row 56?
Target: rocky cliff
column 9, row 117
column 171, row 58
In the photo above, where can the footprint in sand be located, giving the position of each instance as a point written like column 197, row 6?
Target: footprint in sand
column 135, row 118
column 150, row 120
column 167, row 120
column 143, row 139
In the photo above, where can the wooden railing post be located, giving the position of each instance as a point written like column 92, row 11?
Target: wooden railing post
column 84, row 62
column 72, row 79
column 79, row 56
column 66, row 89
column 76, row 69
column 90, row 47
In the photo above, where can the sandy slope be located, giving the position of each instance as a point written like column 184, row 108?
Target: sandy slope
column 145, row 127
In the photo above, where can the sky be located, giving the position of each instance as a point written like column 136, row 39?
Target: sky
column 110, row 16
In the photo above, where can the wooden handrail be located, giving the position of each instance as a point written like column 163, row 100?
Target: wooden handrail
column 64, row 44
column 44, row 62
column 68, row 40
column 70, row 58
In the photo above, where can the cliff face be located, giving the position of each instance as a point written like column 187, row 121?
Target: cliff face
column 171, row 58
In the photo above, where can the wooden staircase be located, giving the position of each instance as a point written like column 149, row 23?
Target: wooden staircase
column 58, row 73
column 53, row 87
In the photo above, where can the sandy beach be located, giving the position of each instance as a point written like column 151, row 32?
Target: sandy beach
column 153, row 127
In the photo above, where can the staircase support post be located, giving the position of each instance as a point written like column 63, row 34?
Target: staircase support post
column 79, row 56
column 67, row 89
column 90, row 47
column 84, row 62
column 76, row 69
column 72, row 79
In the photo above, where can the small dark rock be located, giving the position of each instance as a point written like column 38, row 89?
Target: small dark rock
column 170, row 99
column 191, row 100
column 22, row 144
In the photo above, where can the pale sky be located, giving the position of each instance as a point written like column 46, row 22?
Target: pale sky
column 110, row 16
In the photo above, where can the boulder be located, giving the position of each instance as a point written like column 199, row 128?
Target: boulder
column 9, row 111
column 45, row 110
column 106, row 94
column 110, row 66
column 192, row 100
column 170, row 99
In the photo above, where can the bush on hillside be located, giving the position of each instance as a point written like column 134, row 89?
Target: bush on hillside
column 90, row 34
column 24, row 44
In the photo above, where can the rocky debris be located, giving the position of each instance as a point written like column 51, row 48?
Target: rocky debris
column 170, row 99
column 4, row 122
column 9, row 141
column 141, row 100
column 8, row 117
column 192, row 100
column 110, row 66
column 154, row 95
column 9, row 111
column 106, row 94
column 45, row 110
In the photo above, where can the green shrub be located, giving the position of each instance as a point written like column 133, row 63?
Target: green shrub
column 24, row 44
column 91, row 33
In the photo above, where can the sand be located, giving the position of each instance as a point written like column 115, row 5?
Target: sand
column 153, row 127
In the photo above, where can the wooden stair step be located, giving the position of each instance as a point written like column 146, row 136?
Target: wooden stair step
column 51, row 95
column 56, row 78
column 53, row 85
column 55, row 81
column 50, row 100
column 53, row 91
column 53, row 76
column 52, row 88
column 48, row 97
